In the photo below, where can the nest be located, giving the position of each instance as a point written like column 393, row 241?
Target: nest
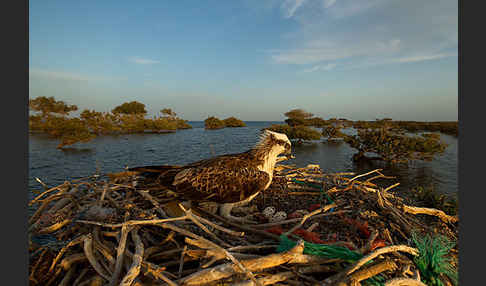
column 311, row 229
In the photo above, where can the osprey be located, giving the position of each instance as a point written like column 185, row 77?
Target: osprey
column 231, row 180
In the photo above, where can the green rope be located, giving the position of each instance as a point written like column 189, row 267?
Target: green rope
column 331, row 252
column 328, row 251
column 316, row 186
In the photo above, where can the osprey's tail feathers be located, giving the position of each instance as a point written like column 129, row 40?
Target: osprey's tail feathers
column 154, row 169
column 146, row 171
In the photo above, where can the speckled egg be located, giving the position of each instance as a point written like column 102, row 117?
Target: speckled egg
column 269, row 211
column 279, row 216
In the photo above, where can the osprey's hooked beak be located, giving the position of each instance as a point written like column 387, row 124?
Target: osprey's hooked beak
column 288, row 153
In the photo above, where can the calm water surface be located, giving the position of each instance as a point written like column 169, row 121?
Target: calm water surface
column 113, row 153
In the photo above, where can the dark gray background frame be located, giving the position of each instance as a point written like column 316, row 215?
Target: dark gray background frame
column 14, row 163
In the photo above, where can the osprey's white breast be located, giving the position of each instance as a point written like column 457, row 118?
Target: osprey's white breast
column 269, row 165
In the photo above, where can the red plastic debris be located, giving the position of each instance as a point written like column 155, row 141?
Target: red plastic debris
column 377, row 243
column 361, row 226
column 314, row 207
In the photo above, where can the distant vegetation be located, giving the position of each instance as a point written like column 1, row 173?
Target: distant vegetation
column 393, row 145
column 299, row 132
column 388, row 140
column 216, row 123
column 233, row 122
column 52, row 118
column 431, row 198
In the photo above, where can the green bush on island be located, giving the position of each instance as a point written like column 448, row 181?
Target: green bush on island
column 297, row 117
column 126, row 118
column 233, row 122
column 133, row 107
column 446, row 127
column 213, row 123
column 394, row 145
column 383, row 137
column 48, row 105
column 171, row 117
column 299, row 132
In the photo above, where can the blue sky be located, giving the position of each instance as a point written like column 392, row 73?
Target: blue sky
column 253, row 59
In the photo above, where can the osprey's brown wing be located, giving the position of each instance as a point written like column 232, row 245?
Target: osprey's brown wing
column 224, row 179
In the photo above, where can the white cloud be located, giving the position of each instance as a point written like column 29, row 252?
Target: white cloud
column 422, row 58
column 374, row 32
column 328, row 3
column 348, row 8
column 327, row 67
column 143, row 61
column 289, row 7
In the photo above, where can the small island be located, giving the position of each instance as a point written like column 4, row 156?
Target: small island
column 394, row 142
column 52, row 118
column 216, row 123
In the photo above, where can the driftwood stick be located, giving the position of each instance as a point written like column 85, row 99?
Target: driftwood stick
column 88, row 251
column 54, row 277
column 73, row 242
column 106, row 251
column 158, row 208
column 390, row 187
column 251, row 247
column 67, row 278
column 94, row 281
column 137, row 260
column 243, row 227
column 227, row 254
column 44, row 206
column 119, row 255
column 54, row 227
column 154, row 270
column 132, row 222
column 371, row 271
column 80, row 276
column 181, row 261
column 279, row 277
column 218, row 227
column 265, row 225
column 322, row 209
column 269, row 280
column 381, row 251
column 211, row 251
column 44, row 185
column 228, row 269
column 67, row 262
column 37, row 263
column 59, row 188
column 189, row 215
column 350, row 269
column 365, row 174
column 430, row 211
column 377, row 177
column 404, row 282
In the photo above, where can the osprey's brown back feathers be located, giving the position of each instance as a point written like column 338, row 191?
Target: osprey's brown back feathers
column 223, row 179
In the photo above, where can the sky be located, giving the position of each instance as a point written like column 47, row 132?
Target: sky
column 253, row 59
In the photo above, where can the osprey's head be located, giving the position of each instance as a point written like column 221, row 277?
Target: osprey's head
column 277, row 142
